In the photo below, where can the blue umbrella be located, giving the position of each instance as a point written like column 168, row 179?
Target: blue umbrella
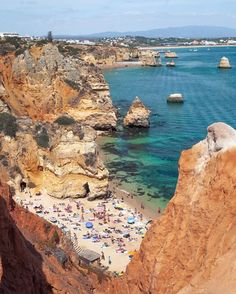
column 130, row 220
column 89, row 225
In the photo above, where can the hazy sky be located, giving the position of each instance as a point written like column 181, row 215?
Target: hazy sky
column 36, row 17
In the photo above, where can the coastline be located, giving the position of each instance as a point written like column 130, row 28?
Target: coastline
column 183, row 47
column 115, row 186
column 122, row 64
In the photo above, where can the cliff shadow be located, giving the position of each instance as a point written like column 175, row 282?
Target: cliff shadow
column 20, row 263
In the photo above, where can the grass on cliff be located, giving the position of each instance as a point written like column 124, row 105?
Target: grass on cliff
column 8, row 124
column 65, row 121
column 42, row 138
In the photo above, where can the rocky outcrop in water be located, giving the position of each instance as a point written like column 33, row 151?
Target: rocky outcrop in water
column 149, row 58
column 138, row 115
column 42, row 83
column 62, row 161
column 175, row 98
column 224, row 63
column 192, row 248
column 170, row 54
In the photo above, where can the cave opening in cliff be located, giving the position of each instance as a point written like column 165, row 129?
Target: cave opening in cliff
column 23, row 185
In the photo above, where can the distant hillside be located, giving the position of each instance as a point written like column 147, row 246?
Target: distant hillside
column 175, row 32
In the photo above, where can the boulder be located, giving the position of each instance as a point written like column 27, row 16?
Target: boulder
column 138, row 115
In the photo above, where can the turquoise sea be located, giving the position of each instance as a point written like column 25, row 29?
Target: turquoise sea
column 146, row 161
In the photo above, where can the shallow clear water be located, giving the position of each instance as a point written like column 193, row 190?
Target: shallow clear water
column 147, row 160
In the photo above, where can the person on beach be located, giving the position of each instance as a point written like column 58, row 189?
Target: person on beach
column 103, row 255
column 159, row 210
column 109, row 260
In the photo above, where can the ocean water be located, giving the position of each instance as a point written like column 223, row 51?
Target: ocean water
column 146, row 161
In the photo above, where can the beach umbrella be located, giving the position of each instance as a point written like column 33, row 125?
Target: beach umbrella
column 132, row 253
column 130, row 220
column 126, row 235
column 89, row 225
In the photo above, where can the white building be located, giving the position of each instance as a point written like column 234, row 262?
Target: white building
column 6, row 34
column 231, row 42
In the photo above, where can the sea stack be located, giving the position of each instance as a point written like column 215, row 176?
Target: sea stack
column 175, row 98
column 138, row 115
column 170, row 54
column 224, row 63
column 150, row 58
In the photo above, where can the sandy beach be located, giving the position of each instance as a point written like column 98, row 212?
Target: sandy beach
column 118, row 226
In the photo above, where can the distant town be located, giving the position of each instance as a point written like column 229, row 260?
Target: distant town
column 126, row 41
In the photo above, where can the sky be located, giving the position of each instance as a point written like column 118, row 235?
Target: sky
column 37, row 17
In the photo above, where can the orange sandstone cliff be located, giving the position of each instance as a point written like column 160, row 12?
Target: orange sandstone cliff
column 192, row 249
column 43, row 84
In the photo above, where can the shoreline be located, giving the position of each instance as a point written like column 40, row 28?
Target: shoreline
column 183, row 47
column 123, row 64
column 115, row 186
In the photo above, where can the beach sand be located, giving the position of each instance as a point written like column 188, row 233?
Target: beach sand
column 74, row 221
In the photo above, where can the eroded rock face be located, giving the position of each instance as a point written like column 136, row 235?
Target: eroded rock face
column 41, row 83
column 138, row 115
column 192, row 249
column 62, row 161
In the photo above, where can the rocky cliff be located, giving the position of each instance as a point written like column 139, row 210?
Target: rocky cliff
column 34, row 255
column 192, row 248
column 42, row 83
column 105, row 56
column 50, row 107
column 62, row 161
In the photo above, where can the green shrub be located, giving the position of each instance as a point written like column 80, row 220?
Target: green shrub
column 65, row 121
column 72, row 50
column 20, row 51
column 8, row 124
column 55, row 238
column 72, row 84
column 15, row 41
column 42, row 42
column 42, row 138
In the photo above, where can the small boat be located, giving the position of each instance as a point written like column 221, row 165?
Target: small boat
column 170, row 64
column 195, row 50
